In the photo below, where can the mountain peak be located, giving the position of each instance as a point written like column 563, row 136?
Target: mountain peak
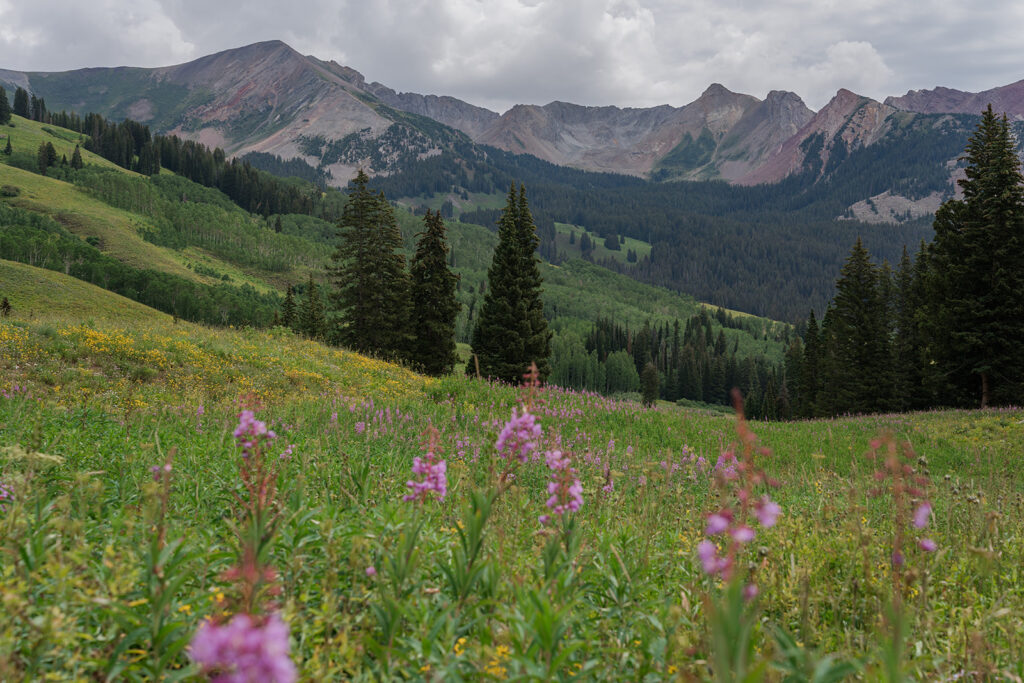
column 715, row 90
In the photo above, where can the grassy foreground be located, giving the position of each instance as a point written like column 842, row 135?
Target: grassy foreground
column 105, row 574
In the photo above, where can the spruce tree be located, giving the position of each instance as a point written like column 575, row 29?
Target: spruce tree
column 76, row 159
column 46, row 157
column 5, row 108
column 8, row 149
column 312, row 317
column 434, row 306
column 906, row 346
column 649, row 384
column 862, row 371
column 978, row 270
column 288, row 309
column 511, row 331
column 371, row 284
column 21, row 102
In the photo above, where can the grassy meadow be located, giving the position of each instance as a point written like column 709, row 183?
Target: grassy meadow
column 107, row 569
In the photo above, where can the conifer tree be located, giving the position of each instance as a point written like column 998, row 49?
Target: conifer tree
column 906, row 349
column 76, row 159
column 312, row 317
column 511, row 331
column 5, row 108
column 862, row 371
column 434, row 306
column 978, row 271
column 371, row 284
column 8, row 149
column 288, row 309
column 649, row 384
column 21, row 102
column 46, row 157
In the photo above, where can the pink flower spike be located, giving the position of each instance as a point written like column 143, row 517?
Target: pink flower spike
column 717, row 523
column 750, row 591
column 927, row 545
column 767, row 512
column 921, row 515
column 709, row 559
column 743, row 534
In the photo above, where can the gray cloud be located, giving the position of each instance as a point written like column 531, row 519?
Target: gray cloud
column 500, row 52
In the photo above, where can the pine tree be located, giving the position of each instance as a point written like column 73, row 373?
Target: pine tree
column 5, row 108
column 434, row 306
column 978, row 269
column 371, row 284
column 862, row 371
column 76, row 159
column 288, row 309
column 46, row 157
column 8, row 149
column 649, row 384
column 21, row 102
column 906, row 351
column 312, row 320
column 511, row 331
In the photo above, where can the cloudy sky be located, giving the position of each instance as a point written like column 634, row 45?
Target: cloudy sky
column 496, row 53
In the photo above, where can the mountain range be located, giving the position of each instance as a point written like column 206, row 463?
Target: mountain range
column 267, row 97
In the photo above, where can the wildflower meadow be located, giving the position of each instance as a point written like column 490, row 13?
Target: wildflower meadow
column 261, row 508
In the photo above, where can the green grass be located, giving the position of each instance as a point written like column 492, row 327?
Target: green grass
column 100, row 399
column 35, row 293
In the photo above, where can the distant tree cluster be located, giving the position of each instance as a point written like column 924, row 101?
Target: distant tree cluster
column 945, row 329
column 694, row 361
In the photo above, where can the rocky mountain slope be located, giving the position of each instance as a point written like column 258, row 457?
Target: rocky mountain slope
column 1008, row 99
column 267, row 97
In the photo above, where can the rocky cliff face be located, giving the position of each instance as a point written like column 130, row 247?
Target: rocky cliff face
column 848, row 119
column 1007, row 99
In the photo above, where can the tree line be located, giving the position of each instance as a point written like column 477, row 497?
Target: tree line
column 691, row 361
column 943, row 329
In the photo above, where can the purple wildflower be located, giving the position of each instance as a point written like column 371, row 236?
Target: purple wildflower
column 6, row 495
column 927, row 545
column 160, row 470
column 565, row 489
column 519, row 436
column 750, row 591
column 921, row 515
column 726, row 465
column 249, row 432
column 742, row 534
column 717, row 523
column 431, row 470
column 709, row 559
column 371, row 571
column 360, row 427
column 434, row 478
column 767, row 512
column 242, row 650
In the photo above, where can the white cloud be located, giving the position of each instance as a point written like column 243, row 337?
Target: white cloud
column 501, row 52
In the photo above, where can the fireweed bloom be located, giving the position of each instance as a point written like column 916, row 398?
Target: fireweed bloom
column 767, row 512
column 519, row 436
column 250, row 431
column 431, row 470
column 921, row 515
column 243, row 650
column 564, row 489
column 5, row 496
column 433, row 478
